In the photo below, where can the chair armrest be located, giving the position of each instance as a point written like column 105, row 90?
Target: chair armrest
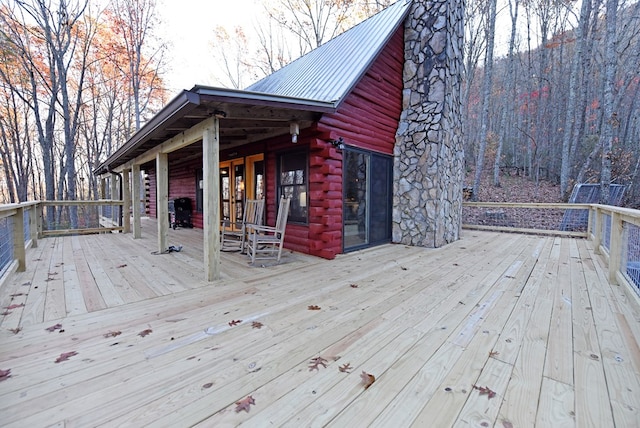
column 258, row 228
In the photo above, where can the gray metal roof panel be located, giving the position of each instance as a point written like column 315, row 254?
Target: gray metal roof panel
column 330, row 71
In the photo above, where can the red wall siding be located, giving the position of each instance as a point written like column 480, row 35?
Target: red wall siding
column 368, row 118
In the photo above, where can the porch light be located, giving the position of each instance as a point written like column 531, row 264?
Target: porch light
column 294, row 130
column 338, row 144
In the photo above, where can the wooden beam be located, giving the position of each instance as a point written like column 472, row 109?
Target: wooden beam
column 162, row 199
column 126, row 199
column 115, row 194
column 137, row 212
column 615, row 247
column 33, row 225
column 211, row 194
column 19, row 252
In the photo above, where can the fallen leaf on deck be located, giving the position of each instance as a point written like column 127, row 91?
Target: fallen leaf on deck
column 316, row 362
column 353, row 285
column 17, row 294
column 5, row 313
column 345, row 368
column 314, row 307
column 15, row 330
column 367, row 379
column 245, row 404
column 54, row 328
column 234, row 322
column 485, row 390
column 121, row 266
column 65, row 356
column 507, row 424
column 146, row 332
column 256, row 324
column 403, row 268
column 494, row 353
column 5, row 374
column 112, row 334
column 207, row 385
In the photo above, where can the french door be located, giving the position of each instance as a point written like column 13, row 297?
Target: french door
column 240, row 179
column 367, row 200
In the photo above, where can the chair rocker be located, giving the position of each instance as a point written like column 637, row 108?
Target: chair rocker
column 233, row 235
column 265, row 242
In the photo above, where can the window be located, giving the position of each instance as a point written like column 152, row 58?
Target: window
column 292, row 173
column 199, row 191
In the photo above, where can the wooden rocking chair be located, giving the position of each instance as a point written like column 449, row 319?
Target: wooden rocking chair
column 234, row 234
column 265, row 242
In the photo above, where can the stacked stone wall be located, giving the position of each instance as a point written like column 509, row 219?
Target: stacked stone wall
column 428, row 155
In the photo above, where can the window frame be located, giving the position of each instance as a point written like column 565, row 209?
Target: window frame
column 303, row 216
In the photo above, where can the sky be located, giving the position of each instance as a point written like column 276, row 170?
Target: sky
column 187, row 27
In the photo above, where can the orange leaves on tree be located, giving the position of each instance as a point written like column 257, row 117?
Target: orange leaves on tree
column 5, row 374
column 234, row 322
column 54, row 328
column 367, row 379
column 257, row 324
column 245, row 404
column 485, row 390
column 316, row 362
column 146, row 332
column 112, row 334
column 314, row 307
column 65, row 356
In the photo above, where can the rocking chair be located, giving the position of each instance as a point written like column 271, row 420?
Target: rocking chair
column 265, row 242
column 234, row 234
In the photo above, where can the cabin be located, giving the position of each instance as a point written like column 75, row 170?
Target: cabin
column 362, row 134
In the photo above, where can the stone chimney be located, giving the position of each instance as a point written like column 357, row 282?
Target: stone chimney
column 428, row 155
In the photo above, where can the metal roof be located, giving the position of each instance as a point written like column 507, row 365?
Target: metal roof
column 329, row 72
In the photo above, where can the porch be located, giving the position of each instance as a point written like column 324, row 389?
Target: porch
column 494, row 329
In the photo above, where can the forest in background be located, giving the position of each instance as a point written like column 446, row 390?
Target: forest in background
column 550, row 87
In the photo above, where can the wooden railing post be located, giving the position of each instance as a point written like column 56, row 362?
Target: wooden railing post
column 126, row 199
column 597, row 230
column 615, row 247
column 33, row 225
column 135, row 185
column 19, row 252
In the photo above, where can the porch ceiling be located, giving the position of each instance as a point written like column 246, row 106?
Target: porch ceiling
column 244, row 117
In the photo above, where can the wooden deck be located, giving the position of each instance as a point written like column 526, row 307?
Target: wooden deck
column 530, row 319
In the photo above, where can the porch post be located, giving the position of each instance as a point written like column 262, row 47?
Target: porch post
column 162, row 199
column 126, row 201
column 211, row 202
column 135, row 200
column 115, row 195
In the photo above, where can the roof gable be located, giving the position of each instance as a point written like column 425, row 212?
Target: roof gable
column 330, row 71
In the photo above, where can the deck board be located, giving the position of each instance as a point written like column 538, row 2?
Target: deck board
column 525, row 316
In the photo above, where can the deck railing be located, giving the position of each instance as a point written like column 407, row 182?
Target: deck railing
column 21, row 225
column 615, row 231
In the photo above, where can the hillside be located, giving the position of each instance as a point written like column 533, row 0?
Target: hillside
column 515, row 189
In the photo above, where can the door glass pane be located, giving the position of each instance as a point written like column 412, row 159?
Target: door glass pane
column 380, row 199
column 258, row 170
column 225, row 190
column 355, row 198
column 238, row 177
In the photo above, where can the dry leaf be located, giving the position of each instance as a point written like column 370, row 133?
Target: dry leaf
column 15, row 330
column 207, row 385
column 353, row 285
column 493, row 354
column 121, row 266
column 54, row 328
column 112, row 334
column 65, row 356
column 234, row 322
column 5, row 313
column 5, row 374
column 245, row 404
column 256, row 324
column 313, row 307
column 507, row 424
column 146, row 332
column 15, row 306
column 367, row 379
column 485, row 390
column 316, row 362
column 345, row 368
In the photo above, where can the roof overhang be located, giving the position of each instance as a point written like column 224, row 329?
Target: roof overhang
column 244, row 117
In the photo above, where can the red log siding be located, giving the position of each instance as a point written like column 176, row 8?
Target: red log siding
column 368, row 117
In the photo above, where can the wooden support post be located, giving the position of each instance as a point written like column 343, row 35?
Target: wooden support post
column 137, row 212
column 615, row 247
column 33, row 225
column 102, row 189
column 162, row 199
column 597, row 230
column 126, row 201
column 19, row 252
column 114, row 196
column 211, row 197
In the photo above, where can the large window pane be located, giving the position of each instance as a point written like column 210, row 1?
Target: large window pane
column 293, row 184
